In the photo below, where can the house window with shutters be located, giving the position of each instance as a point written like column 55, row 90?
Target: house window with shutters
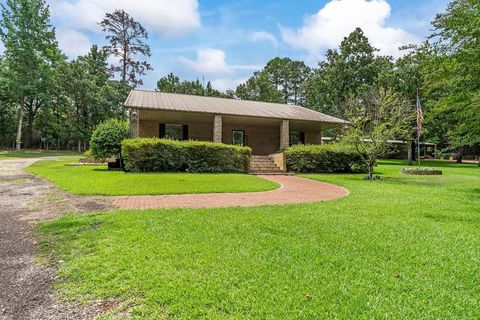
column 173, row 131
column 297, row 137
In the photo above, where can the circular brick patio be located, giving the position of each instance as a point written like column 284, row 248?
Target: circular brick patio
column 292, row 190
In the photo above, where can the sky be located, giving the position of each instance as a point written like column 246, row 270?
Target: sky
column 226, row 41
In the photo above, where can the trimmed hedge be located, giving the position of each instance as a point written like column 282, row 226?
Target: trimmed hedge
column 107, row 138
column 326, row 158
column 164, row 155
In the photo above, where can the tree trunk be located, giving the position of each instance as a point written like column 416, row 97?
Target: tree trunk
column 124, row 66
column 370, row 172
column 459, row 154
column 29, row 137
column 18, row 141
column 79, row 146
column 410, row 153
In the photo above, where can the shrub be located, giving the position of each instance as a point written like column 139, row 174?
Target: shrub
column 106, row 140
column 326, row 158
column 163, row 155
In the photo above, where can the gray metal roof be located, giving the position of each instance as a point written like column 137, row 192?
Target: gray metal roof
column 180, row 102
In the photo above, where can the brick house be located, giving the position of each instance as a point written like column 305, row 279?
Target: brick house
column 267, row 128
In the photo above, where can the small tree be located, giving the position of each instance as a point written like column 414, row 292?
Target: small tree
column 378, row 116
column 107, row 139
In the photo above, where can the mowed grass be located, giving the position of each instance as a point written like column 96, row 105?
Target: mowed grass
column 406, row 247
column 12, row 154
column 97, row 180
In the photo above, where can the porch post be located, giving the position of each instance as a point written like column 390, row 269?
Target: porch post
column 217, row 128
column 284, row 134
column 134, row 123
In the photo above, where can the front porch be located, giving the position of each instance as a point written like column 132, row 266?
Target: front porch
column 265, row 136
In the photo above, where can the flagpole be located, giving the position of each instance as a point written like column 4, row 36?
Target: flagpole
column 418, row 131
column 418, row 147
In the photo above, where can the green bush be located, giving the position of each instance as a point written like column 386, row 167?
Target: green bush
column 326, row 158
column 163, row 155
column 106, row 140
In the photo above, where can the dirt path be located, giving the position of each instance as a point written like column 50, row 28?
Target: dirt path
column 25, row 285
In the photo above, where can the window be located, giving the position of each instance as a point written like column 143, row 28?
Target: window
column 297, row 137
column 238, row 137
column 173, row 131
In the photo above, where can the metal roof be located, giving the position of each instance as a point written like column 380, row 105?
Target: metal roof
column 142, row 99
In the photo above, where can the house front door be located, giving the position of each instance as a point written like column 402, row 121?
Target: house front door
column 238, row 137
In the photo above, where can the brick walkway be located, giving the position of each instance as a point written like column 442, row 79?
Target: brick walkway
column 293, row 190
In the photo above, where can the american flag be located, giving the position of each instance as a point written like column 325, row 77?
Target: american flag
column 419, row 117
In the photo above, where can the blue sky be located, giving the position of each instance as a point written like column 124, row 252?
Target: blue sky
column 225, row 41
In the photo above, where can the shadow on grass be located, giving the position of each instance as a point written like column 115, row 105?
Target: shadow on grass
column 444, row 218
column 430, row 163
column 421, row 180
column 102, row 170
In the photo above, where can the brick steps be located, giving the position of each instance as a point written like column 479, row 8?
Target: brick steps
column 264, row 165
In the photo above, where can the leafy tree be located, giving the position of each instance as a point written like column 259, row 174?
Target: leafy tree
column 8, row 108
column 82, row 97
column 452, row 82
column 377, row 116
column 285, row 76
column 30, row 52
column 259, row 88
column 171, row 83
column 347, row 72
column 299, row 73
column 127, row 40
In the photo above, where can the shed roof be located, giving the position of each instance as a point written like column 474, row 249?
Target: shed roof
column 142, row 99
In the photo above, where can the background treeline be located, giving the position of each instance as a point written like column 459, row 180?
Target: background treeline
column 444, row 71
column 51, row 102
column 56, row 103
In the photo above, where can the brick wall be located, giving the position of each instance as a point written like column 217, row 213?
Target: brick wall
column 202, row 131
column 313, row 137
column 262, row 139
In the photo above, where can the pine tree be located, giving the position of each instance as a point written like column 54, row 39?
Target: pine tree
column 127, row 39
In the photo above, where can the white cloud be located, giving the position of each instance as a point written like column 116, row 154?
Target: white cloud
column 338, row 18
column 224, row 84
column 166, row 17
column 264, row 36
column 210, row 61
column 73, row 43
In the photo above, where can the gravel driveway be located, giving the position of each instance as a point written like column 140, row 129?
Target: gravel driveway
column 25, row 285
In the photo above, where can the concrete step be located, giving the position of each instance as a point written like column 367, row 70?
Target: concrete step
column 263, row 165
column 272, row 173
column 264, row 168
column 265, row 172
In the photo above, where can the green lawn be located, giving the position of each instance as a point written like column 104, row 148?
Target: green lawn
column 97, row 180
column 9, row 154
column 407, row 247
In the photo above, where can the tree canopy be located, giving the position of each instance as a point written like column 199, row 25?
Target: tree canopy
column 451, row 71
column 47, row 100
